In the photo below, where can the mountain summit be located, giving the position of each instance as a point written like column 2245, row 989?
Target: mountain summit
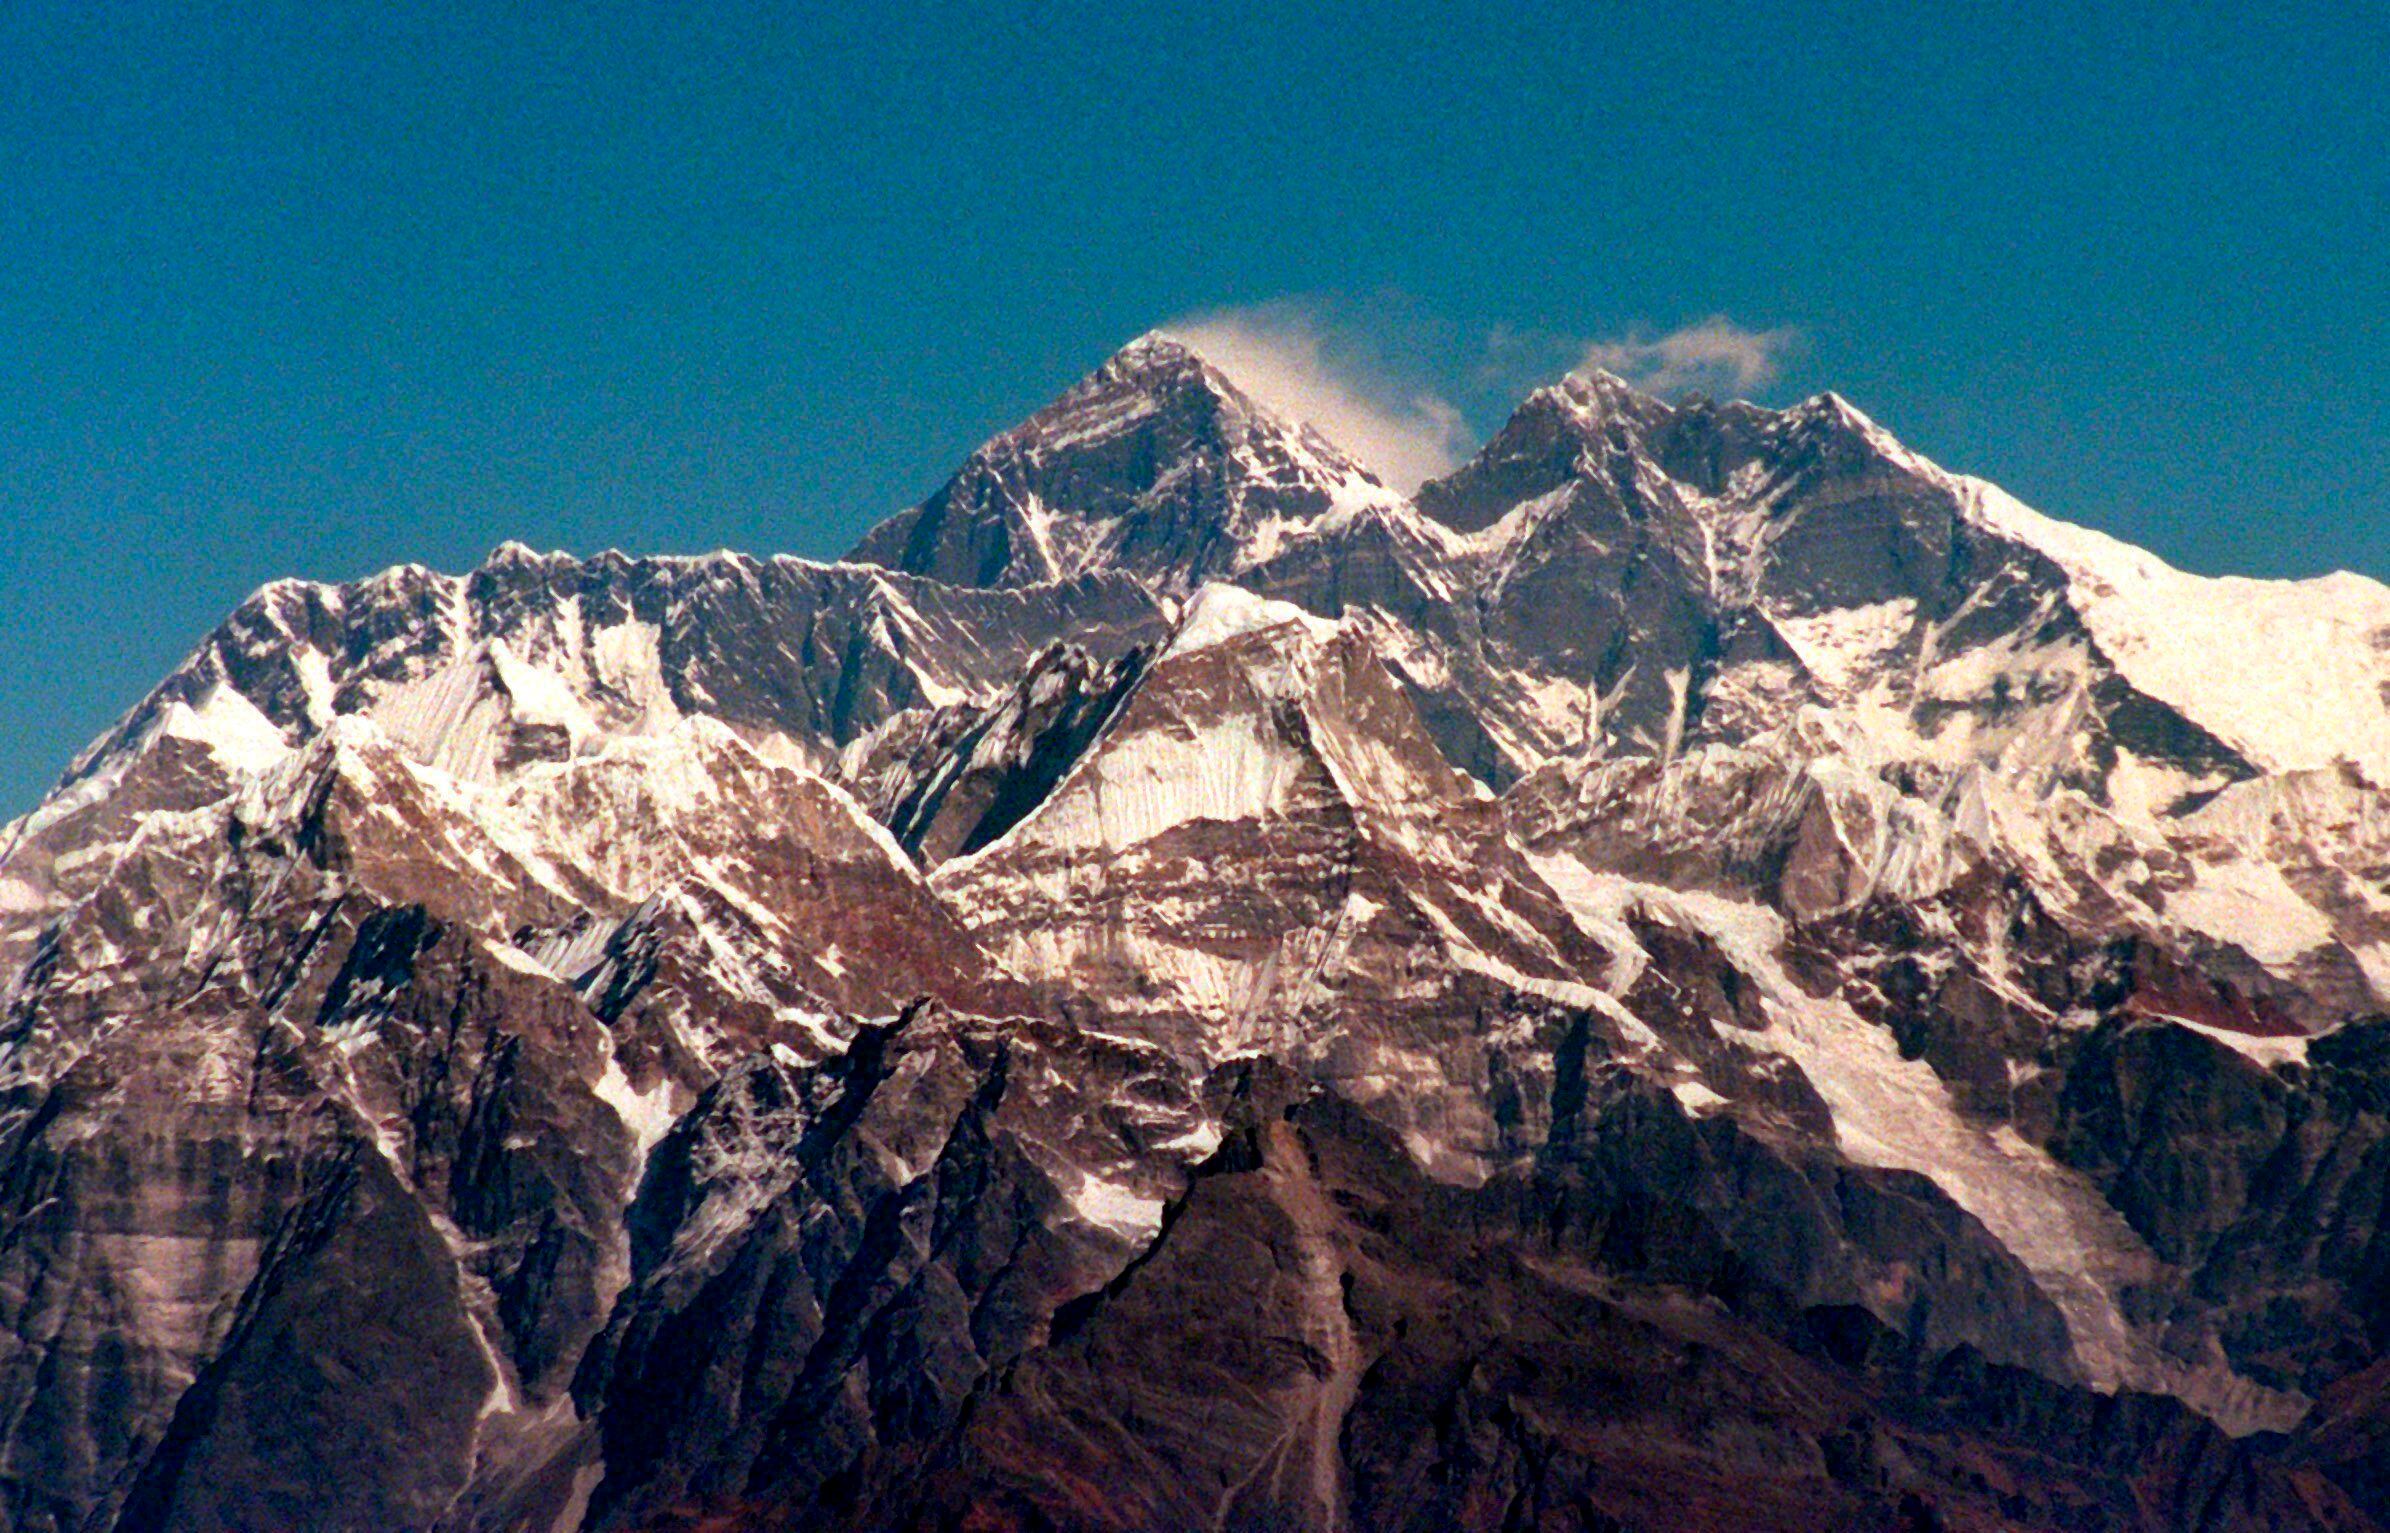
column 1154, row 464
column 1702, row 971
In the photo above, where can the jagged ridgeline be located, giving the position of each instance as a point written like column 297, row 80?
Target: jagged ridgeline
column 1700, row 972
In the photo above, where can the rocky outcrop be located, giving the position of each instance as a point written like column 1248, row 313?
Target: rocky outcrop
column 949, row 781
column 1311, row 1334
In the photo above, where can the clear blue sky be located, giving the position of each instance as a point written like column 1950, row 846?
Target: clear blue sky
column 313, row 289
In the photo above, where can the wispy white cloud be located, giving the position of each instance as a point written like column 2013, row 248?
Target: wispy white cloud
column 1716, row 356
column 1293, row 362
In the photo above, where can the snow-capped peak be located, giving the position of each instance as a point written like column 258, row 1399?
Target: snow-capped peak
column 1171, row 371
column 1157, row 351
column 2293, row 673
column 1218, row 613
column 1156, row 464
column 1588, row 387
column 516, row 554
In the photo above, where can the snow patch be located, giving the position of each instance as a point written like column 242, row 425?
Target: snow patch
column 1217, row 614
column 1113, row 1206
column 231, row 726
column 647, row 1114
column 1895, row 1112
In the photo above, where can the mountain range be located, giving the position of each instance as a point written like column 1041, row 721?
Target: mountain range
column 1700, row 971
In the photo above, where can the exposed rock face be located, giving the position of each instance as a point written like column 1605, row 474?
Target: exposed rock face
column 285, row 1150
column 1702, row 973
column 948, row 781
column 1369, row 875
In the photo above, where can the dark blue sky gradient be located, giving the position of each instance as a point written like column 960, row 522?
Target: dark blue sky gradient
column 313, row 289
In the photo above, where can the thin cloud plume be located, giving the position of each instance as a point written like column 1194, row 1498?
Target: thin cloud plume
column 1291, row 363
column 1716, row 356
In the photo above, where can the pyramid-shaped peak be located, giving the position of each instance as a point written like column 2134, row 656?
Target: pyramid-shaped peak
column 1156, row 463
column 1252, row 398
column 1830, row 407
column 1163, row 374
column 1156, row 362
column 1164, row 358
column 1589, row 384
column 1830, row 427
column 1559, row 433
column 1156, row 352
column 1157, row 383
